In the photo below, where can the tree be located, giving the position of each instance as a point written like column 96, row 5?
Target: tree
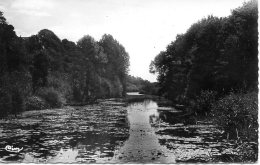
column 218, row 54
column 40, row 70
column 118, row 59
column 43, row 66
column 7, row 37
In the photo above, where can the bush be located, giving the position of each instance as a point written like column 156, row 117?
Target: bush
column 205, row 101
column 53, row 98
column 35, row 103
column 117, row 88
column 5, row 103
column 18, row 103
column 60, row 82
column 14, row 86
column 237, row 114
column 132, row 88
column 11, row 102
column 111, row 88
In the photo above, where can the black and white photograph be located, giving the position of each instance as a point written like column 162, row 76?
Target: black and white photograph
column 128, row 81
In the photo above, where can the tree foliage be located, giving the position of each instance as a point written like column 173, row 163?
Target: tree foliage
column 137, row 84
column 217, row 54
column 48, row 70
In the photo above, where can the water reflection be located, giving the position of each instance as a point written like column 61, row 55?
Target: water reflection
column 110, row 132
column 143, row 145
column 134, row 94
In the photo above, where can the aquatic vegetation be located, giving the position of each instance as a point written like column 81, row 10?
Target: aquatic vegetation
column 115, row 132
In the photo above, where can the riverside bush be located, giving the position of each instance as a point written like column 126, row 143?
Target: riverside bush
column 18, row 102
column 35, row 103
column 205, row 101
column 53, row 98
column 5, row 103
column 60, row 83
column 237, row 115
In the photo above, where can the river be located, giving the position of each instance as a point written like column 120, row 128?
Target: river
column 111, row 132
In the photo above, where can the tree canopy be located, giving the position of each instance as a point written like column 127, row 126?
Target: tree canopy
column 43, row 64
column 218, row 54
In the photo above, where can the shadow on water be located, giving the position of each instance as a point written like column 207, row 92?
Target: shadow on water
column 112, row 132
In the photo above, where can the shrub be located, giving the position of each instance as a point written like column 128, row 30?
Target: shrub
column 14, row 86
column 111, row 88
column 60, row 82
column 5, row 103
column 132, row 88
column 205, row 101
column 247, row 152
column 237, row 114
column 51, row 96
column 117, row 88
column 35, row 103
column 18, row 103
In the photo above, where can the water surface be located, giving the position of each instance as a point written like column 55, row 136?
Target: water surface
column 112, row 132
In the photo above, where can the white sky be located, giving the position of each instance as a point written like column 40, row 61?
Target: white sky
column 143, row 27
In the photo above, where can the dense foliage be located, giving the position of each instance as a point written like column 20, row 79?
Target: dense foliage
column 213, row 69
column 43, row 71
column 237, row 113
column 218, row 54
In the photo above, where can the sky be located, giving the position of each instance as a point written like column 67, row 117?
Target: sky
column 143, row 27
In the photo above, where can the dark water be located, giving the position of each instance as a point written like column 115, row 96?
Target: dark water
column 111, row 132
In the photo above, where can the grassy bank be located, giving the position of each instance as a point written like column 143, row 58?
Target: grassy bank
column 237, row 115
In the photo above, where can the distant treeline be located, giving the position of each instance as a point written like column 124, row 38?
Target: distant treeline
column 218, row 54
column 137, row 84
column 42, row 71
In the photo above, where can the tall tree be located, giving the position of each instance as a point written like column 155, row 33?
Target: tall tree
column 217, row 54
